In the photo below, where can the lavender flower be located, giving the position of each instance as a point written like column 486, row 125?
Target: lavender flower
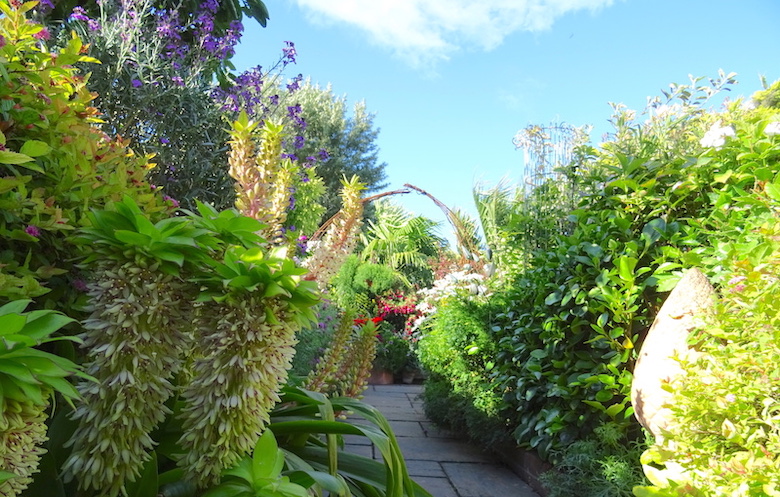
column 324, row 155
column 136, row 83
column 79, row 14
column 289, row 53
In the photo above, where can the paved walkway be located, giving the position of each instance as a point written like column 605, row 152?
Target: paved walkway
column 442, row 463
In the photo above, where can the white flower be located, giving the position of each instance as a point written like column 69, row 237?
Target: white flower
column 748, row 105
column 663, row 111
column 772, row 129
column 716, row 136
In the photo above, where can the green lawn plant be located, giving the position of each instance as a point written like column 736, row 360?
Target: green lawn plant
column 29, row 379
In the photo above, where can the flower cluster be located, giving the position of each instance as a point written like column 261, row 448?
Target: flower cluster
column 339, row 238
column 716, row 136
column 399, row 310
column 450, row 284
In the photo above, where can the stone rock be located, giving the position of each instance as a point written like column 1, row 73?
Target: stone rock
column 667, row 338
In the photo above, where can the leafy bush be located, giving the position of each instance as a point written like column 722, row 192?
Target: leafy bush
column 313, row 340
column 601, row 465
column 725, row 436
column 672, row 190
column 55, row 164
column 458, row 353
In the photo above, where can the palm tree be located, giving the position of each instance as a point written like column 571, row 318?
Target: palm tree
column 402, row 241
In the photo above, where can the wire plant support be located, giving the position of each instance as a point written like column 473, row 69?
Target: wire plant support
column 549, row 189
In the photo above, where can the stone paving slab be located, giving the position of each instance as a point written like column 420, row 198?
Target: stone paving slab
column 441, row 462
column 408, row 429
column 440, row 487
column 442, row 450
column 486, row 480
column 425, row 468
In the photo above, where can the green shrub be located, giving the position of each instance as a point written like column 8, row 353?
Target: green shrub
column 55, row 164
column 604, row 464
column 725, row 436
column 458, row 353
column 313, row 340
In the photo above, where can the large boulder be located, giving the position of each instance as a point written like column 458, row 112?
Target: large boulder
column 667, row 339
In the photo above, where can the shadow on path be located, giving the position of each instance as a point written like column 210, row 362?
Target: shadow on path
column 444, row 464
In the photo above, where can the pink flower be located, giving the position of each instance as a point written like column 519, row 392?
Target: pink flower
column 43, row 34
column 33, row 230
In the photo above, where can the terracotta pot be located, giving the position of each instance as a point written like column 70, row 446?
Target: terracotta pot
column 380, row 377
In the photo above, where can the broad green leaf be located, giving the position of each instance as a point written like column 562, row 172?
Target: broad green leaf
column 168, row 255
column 626, row 267
column 8, row 157
column 35, row 148
column 133, row 238
column 230, row 489
column 15, row 307
column 614, row 410
column 243, row 470
column 41, row 324
column 773, row 191
column 18, row 371
column 265, row 457
column 273, row 290
column 11, row 324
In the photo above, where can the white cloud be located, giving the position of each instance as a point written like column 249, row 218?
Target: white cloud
column 424, row 31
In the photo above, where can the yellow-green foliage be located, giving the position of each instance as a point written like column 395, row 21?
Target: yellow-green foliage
column 55, row 164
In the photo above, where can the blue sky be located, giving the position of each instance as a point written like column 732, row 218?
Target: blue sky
column 452, row 81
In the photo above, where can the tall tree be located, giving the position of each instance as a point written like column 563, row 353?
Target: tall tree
column 344, row 145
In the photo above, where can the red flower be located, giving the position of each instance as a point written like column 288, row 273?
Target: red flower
column 376, row 320
column 360, row 322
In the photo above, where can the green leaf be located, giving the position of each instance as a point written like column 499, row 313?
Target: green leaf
column 614, row 410
column 8, row 157
column 266, row 457
column 773, row 191
column 35, row 148
column 14, row 307
column 230, row 489
column 11, row 324
column 626, row 267
column 41, row 324
column 596, row 405
column 132, row 238
column 243, row 470
column 18, row 371
column 273, row 290
column 5, row 476
column 168, row 255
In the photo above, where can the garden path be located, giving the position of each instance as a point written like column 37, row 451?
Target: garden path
column 440, row 461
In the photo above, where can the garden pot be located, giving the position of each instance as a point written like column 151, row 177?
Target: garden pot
column 380, row 377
